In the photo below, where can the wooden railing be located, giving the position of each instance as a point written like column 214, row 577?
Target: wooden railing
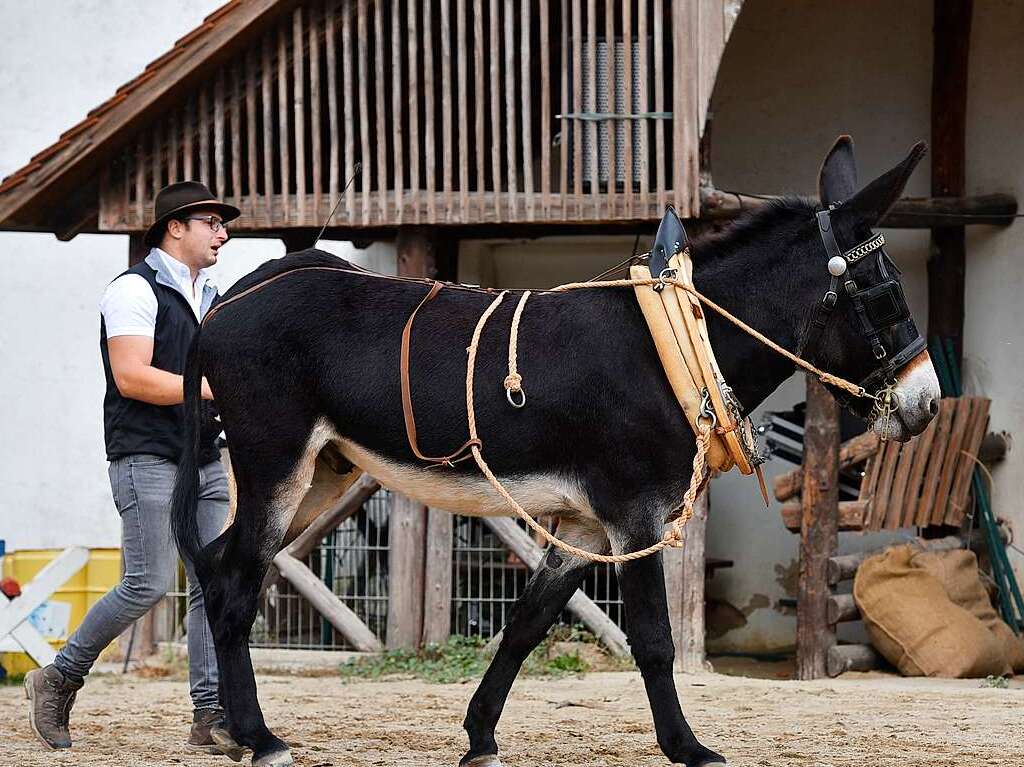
column 459, row 111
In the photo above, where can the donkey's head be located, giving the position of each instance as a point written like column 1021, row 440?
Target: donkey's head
column 862, row 329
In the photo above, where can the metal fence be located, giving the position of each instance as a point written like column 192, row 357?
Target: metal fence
column 353, row 561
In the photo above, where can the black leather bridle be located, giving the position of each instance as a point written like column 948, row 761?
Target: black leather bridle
column 881, row 308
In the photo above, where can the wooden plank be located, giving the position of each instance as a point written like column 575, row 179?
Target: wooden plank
column 350, row 503
column 852, row 515
column 852, row 657
column 580, row 605
column 299, row 111
column 284, row 153
column 545, row 109
column 627, row 106
column 325, row 602
column 610, row 125
column 437, row 579
column 685, row 78
column 398, row 123
column 871, row 471
column 660, row 182
column 463, row 143
column 577, row 126
column 957, row 503
column 951, row 37
column 957, row 431
column 316, row 149
column 331, row 52
column 509, row 39
column 922, row 452
column 173, row 147
column 365, row 156
column 673, row 565
column 710, row 45
column 447, row 149
column 154, row 158
column 188, row 129
column 479, row 105
column 526, row 93
column 53, row 575
column 563, row 142
column 380, row 86
column 818, row 530
column 251, row 166
column 349, row 110
column 644, row 127
column 851, row 452
column 204, row 136
column 235, row 134
column 933, row 470
column 880, row 499
column 690, row 650
column 413, row 121
column 266, row 96
column 140, row 178
column 219, row 159
column 591, row 126
column 429, row 131
column 902, row 514
column 494, row 55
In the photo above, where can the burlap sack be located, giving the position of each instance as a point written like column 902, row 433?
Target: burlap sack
column 958, row 572
column 916, row 627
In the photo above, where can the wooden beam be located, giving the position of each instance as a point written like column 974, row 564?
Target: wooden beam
column 819, row 528
column 580, row 605
column 851, row 452
column 842, row 608
column 907, row 213
column 946, row 262
column 347, row 505
column 684, row 585
column 437, row 578
column 852, row 515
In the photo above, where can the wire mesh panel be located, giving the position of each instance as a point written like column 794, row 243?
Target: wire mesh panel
column 352, row 561
column 487, row 579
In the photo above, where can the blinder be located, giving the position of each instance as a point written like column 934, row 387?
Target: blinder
column 881, row 307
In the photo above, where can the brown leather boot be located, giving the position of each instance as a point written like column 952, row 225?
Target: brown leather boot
column 51, row 696
column 201, row 739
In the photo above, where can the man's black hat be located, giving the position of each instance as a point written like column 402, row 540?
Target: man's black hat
column 175, row 200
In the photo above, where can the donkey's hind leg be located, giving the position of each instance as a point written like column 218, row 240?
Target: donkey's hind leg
column 546, row 594
column 270, row 482
column 642, row 584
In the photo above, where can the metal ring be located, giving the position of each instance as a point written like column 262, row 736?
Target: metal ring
column 707, row 411
column 512, row 402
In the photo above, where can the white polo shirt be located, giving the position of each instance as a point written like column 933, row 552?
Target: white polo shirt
column 129, row 306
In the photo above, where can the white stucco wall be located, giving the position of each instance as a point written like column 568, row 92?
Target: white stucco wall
column 58, row 60
column 994, row 316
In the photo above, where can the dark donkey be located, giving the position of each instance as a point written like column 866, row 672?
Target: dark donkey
column 312, row 359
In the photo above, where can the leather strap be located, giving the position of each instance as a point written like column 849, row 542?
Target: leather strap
column 407, row 412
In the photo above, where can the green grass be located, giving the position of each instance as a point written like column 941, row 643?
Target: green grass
column 998, row 682
column 463, row 658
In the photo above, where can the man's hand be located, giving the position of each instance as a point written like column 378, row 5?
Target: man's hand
column 131, row 362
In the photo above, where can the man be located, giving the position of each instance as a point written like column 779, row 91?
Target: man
column 147, row 318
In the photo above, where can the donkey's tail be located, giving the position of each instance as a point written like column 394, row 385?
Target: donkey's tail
column 185, row 501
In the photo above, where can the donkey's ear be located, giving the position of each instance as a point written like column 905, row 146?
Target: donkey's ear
column 837, row 179
column 873, row 201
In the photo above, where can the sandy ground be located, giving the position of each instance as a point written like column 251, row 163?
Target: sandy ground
column 600, row 719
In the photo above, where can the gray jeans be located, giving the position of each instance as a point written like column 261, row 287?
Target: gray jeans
column 142, row 486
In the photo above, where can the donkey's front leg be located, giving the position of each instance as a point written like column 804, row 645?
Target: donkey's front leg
column 642, row 584
column 549, row 589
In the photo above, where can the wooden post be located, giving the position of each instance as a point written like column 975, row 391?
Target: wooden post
column 818, row 531
column 684, row 585
column 137, row 249
column 437, row 580
column 408, row 525
column 951, row 47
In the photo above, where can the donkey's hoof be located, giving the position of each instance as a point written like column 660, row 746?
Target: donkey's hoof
column 274, row 759
column 484, row 760
column 227, row 744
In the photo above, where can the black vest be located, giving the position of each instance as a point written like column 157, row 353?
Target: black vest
column 132, row 426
